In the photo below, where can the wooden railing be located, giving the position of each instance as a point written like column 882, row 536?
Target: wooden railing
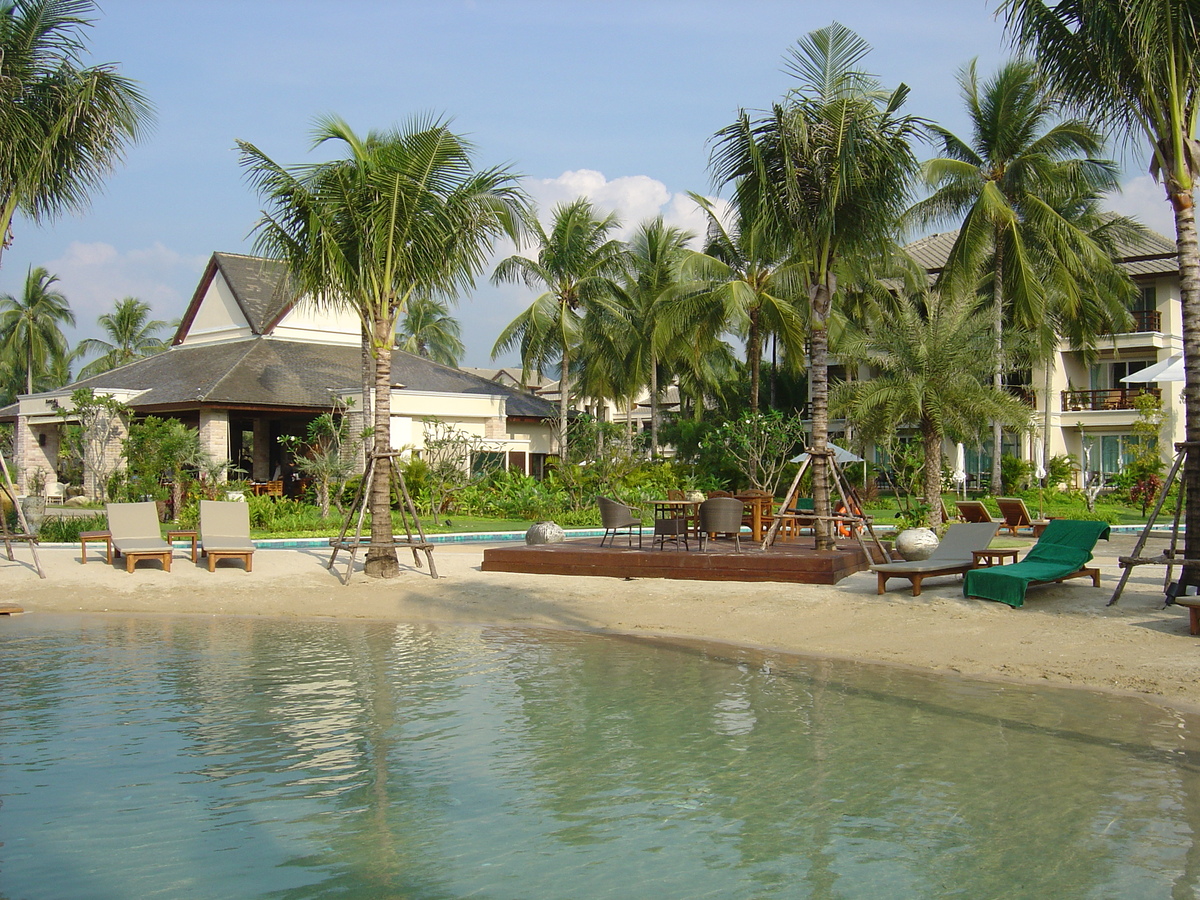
column 1111, row 398
column 1147, row 320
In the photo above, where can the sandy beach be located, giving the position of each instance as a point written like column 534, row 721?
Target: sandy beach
column 1064, row 636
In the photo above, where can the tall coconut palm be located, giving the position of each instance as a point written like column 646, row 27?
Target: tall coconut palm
column 1135, row 65
column 132, row 334
column 933, row 358
column 655, row 253
column 428, row 330
column 404, row 214
column 577, row 265
column 31, row 335
column 831, row 167
column 63, row 126
column 1000, row 186
column 742, row 283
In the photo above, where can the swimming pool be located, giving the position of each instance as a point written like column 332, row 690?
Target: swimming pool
column 245, row 758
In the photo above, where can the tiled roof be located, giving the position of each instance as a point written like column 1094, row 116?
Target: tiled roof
column 264, row 372
column 1153, row 255
column 260, row 286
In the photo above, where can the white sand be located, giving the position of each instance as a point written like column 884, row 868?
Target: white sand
column 1065, row 635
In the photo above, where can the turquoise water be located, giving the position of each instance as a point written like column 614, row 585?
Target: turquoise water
column 217, row 758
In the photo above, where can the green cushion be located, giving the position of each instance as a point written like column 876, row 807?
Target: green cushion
column 1063, row 549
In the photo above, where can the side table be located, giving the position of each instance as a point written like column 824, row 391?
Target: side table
column 173, row 536
column 104, row 537
column 993, row 557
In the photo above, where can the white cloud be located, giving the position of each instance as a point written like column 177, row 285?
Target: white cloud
column 1144, row 199
column 634, row 198
column 93, row 276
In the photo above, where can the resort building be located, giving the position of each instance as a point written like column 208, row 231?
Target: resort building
column 250, row 364
column 1092, row 411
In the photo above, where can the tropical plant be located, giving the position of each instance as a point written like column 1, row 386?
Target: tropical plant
column 454, row 458
column 741, row 283
column 761, row 445
column 655, row 252
column 158, row 450
column 31, row 337
column 428, row 330
column 577, row 265
column 1012, row 187
column 328, row 455
column 932, row 361
column 1135, row 66
column 830, row 167
column 63, row 126
column 91, row 424
column 403, row 214
column 131, row 335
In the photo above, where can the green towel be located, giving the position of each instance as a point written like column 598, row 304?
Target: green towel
column 1063, row 549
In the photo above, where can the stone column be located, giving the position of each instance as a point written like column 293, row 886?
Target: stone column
column 29, row 452
column 214, row 434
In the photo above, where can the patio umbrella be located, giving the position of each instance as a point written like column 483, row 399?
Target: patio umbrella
column 1170, row 369
column 959, row 476
column 1039, row 472
column 840, row 455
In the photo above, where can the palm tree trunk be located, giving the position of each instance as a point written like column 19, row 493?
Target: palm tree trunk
column 933, row 471
column 1189, row 292
column 564, row 403
column 653, row 407
column 998, row 376
column 381, row 561
column 754, row 357
column 368, row 378
column 1046, row 422
column 822, row 298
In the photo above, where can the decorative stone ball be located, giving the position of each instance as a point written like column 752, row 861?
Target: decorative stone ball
column 916, row 543
column 544, row 533
column 694, row 495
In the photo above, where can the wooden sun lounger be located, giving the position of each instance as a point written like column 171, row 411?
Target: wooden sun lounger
column 135, row 534
column 225, row 532
column 954, row 556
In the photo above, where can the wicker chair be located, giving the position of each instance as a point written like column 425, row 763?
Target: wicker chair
column 721, row 515
column 617, row 517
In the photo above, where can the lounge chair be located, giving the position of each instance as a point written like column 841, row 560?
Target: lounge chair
column 617, row 517
column 1016, row 515
column 1060, row 553
column 136, row 535
column 225, row 532
column 974, row 511
column 953, row 556
column 721, row 515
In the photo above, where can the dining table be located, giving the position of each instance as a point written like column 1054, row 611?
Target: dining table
column 758, row 508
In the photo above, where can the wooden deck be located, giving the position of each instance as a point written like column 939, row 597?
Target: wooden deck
column 794, row 562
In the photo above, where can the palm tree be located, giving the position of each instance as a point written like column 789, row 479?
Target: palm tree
column 933, row 361
column 403, row 214
column 830, row 168
column 742, row 283
column 63, row 126
column 1135, row 66
column 31, row 337
column 131, row 335
column 576, row 266
column 655, row 252
column 1000, row 185
column 429, row 331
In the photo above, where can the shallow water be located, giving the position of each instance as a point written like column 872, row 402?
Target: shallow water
column 181, row 758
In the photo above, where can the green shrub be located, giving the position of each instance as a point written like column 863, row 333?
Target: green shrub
column 66, row 529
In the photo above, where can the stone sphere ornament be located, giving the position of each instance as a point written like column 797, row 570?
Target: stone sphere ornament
column 915, row 544
column 545, row 533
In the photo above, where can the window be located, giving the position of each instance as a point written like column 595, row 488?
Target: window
column 1110, row 453
column 1107, row 376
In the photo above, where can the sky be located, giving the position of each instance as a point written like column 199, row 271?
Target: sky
column 612, row 99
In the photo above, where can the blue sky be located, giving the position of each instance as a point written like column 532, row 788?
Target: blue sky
column 609, row 98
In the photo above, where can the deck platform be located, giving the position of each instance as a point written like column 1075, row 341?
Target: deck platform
column 795, row 562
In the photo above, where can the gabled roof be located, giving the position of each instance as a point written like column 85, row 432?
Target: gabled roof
column 271, row 373
column 1153, row 255
column 258, row 285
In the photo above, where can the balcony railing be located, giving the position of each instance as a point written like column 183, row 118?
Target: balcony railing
column 1112, row 398
column 1144, row 320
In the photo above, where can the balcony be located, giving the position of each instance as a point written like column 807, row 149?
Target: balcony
column 1111, row 398
column 1144, row 320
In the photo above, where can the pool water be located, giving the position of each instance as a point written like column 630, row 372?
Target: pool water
column 218, row 758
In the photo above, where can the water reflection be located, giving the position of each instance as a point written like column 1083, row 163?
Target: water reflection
column 244, row 758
